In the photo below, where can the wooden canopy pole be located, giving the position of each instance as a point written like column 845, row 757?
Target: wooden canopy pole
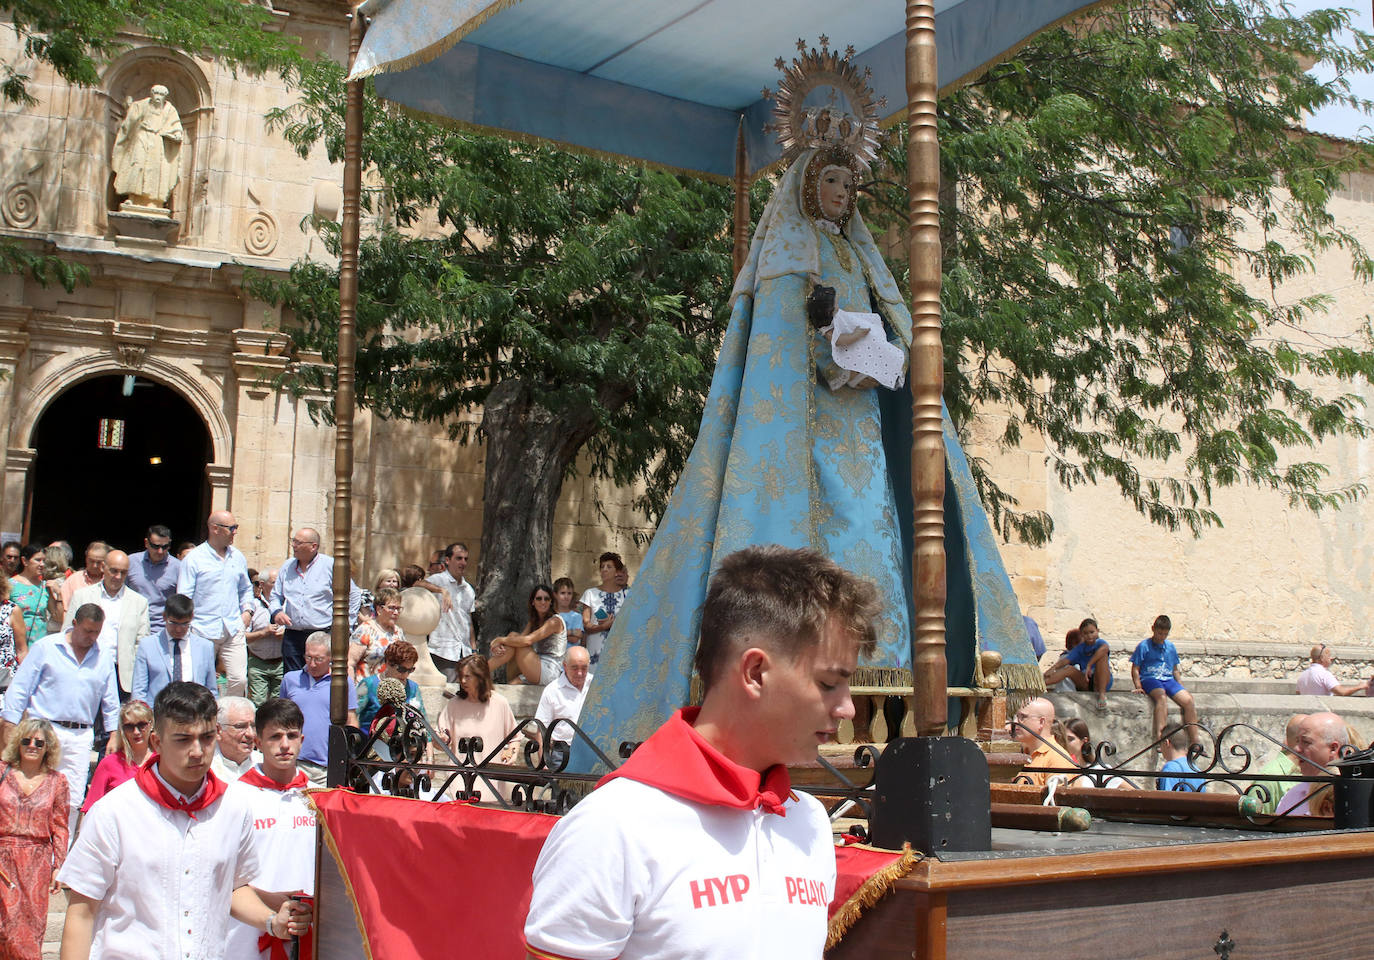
column 741, row 183
column 343, row 381
column 927, row 370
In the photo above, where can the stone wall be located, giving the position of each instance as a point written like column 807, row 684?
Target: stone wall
column 1273, row 572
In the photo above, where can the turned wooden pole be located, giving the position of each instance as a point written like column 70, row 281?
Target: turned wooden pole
column 343, row 381
column 927, row 370
column 741, row 184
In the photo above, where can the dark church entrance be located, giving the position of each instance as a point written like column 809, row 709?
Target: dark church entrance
column 116, row 454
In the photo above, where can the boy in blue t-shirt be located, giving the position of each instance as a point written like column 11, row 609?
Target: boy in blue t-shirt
column 1154, row 671
column 1176, row 761
column 1085, row 665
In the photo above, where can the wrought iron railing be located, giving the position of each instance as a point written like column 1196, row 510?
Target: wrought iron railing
column 1223, row 760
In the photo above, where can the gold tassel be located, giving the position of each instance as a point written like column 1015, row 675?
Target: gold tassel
column 873, row 890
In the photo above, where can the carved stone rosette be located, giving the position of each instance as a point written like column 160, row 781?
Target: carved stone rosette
column 260, row 234
column 19, row 206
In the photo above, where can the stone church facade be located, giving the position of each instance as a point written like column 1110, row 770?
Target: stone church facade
column 166, row 305
column 166, row 341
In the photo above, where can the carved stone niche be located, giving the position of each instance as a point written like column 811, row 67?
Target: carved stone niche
column 158, row 102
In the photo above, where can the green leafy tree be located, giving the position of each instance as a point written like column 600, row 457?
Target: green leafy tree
column 75, row 37
column 577, row 303
column 1124, row 201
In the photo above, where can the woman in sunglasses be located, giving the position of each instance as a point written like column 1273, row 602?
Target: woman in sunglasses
column 126, row 754
column 33, row 836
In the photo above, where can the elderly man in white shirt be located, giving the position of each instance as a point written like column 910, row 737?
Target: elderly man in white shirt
column 126, row 615
column 235, row 739
column 562, row 699
column 1318, row 680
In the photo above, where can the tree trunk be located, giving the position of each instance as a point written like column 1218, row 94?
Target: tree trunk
column 528, row 452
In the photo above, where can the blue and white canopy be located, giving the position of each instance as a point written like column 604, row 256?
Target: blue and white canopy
column 664, row 81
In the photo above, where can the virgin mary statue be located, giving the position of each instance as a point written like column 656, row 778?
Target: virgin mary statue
column 793, row 450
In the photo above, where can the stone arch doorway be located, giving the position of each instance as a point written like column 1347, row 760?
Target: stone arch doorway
column 81, row 491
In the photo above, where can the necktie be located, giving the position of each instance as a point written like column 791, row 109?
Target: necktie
column 176, row 659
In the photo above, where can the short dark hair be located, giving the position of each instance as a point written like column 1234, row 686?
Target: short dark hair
column 89, row 611
column 28, row 552
column 562, row 582
column 282, row 712
column 780, row 599
column 11, row 543
column 1176, row 734
column 481, row 670
column 613, row 558
column 184, row 702
column 158, row 530
column 180, row 606
column 1086, row 622
column 459, row 545
column 1163, row 621
column 411, row 574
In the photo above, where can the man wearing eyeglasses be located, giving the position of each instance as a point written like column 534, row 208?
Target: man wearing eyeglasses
column 303, row 597
column 153, row 572
column 173, row 654
column 308, row 688
column 215, row 576
column 126, row 616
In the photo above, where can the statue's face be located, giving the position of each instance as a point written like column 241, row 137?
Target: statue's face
column 159, row 97
column 836, row 187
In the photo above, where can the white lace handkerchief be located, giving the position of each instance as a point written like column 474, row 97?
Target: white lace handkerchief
column 870, row 356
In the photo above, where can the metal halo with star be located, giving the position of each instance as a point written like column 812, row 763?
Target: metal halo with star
column 853, row 124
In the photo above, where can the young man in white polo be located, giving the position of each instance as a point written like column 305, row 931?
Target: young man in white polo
column 283, row 824
column 697, row 847
column 164, row 860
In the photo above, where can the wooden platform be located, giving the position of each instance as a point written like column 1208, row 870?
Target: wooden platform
column 1131, row 892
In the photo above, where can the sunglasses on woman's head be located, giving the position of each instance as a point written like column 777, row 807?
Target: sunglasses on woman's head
column 33, row 742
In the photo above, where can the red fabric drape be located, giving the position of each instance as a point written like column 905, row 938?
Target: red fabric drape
column 471, row 865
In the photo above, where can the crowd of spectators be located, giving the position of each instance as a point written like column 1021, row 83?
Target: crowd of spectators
column 88, row 651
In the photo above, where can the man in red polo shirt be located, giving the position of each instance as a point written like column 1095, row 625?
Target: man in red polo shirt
column 697, row 847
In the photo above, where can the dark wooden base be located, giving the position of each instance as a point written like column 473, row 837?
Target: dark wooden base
column 1297, row 897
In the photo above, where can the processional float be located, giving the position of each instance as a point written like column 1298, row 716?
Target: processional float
column 675, row 83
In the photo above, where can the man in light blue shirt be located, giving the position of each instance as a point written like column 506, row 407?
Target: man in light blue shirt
column 303, row 597
column 308, row 688
column 67, row 679
column 153, row 572
column 215, row 576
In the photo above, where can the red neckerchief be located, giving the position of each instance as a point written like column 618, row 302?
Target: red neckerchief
column 276, row 946
column 157, row 791
column 256, row 778
column 678, row 760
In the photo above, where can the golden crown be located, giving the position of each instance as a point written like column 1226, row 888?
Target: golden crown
column 852, row 124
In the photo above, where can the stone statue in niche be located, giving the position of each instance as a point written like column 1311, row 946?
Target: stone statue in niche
column 147, row 152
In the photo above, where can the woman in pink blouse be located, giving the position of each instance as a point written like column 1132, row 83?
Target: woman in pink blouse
column 127, row 752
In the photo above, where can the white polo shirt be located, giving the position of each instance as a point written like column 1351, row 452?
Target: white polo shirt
column 284, row 841
column 562, row 700
column 164, row 878
column 634, row 872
